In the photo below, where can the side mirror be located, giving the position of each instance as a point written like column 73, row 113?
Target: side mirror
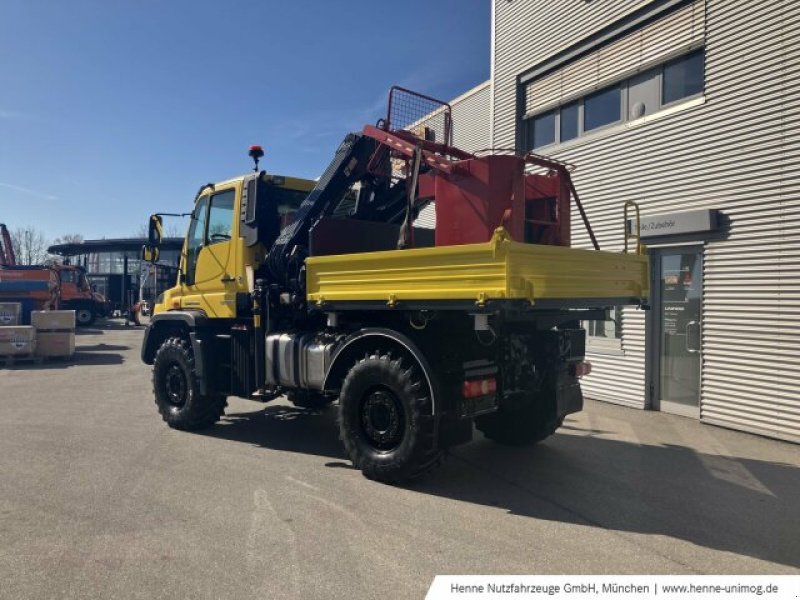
column 250, row 202
column 259, row 215
column 155, row 231
column 150, row 253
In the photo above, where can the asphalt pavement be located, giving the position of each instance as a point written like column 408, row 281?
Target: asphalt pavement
column 100, row 499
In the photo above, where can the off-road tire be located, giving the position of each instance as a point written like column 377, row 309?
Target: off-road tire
column 176, row 390
column 410, row 448
column 84, row 317
column 518, row 427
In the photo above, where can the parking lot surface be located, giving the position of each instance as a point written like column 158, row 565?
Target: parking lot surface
column 99, row 499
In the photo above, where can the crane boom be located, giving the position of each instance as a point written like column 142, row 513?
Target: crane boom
column 7, row 257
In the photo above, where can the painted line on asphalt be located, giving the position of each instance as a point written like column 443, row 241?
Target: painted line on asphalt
column 302, row 483
column 267, row 551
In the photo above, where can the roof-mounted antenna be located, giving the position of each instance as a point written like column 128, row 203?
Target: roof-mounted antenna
column 255, row 153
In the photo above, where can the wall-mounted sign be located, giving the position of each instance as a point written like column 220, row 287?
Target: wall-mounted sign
column 680, row 223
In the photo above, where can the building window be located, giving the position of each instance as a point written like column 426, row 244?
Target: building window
column 635, row 97
column 643, row 94
column 683, row 77
column 602, row 108
column 569, row 122
column 605, row 335
column 543, row 129
column 610, row 330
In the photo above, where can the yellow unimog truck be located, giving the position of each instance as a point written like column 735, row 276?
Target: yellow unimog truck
column 324, row 291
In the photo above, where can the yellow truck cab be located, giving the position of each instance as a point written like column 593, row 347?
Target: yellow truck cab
column 218, row 256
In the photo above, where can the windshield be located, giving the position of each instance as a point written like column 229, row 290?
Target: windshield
column 67, row 276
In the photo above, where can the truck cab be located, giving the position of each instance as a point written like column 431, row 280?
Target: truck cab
column 77, row 295
column 221, row 251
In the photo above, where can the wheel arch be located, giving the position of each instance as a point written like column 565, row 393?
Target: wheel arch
column 364, row 340
column 169, row 324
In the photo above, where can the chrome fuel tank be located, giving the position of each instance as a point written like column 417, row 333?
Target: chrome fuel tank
column 298, row 360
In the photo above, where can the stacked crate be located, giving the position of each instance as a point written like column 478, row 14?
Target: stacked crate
column 16, row 340
column 55, row 333
column 51, row 333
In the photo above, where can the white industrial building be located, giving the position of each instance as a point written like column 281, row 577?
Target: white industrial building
column 690, row 108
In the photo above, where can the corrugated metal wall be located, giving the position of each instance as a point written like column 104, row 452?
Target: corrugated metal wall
column 471, row 118
column 650, row 45
column 527, row 32
column 470, row 113
column 737, row 151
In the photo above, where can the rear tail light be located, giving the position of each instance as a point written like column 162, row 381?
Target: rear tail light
column 582, row 368
column 475, row 388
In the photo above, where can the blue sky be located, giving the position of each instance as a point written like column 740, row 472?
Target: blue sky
column 112, row 110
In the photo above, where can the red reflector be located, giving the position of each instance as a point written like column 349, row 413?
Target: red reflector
column 474, row 388
column 582, row 369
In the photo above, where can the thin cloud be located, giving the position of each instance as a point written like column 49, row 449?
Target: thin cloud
column 12, row 115
column 28, row 191
column 327, row 124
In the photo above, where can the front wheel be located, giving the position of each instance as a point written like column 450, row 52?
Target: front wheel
column 85, row 316
column 176, row 390
column 385, row 419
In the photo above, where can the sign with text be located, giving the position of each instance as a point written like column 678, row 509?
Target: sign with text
column 631, row 587
column 693, row 221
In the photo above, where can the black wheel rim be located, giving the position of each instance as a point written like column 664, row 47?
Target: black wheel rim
column 382, row 419
column 84, row 316
column 175, row 386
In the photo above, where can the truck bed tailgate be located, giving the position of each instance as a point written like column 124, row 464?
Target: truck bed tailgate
column 500, row 269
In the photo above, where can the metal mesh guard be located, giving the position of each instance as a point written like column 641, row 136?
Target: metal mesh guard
column 422, row 115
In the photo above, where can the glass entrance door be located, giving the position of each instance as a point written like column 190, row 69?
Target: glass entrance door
column 678, row 329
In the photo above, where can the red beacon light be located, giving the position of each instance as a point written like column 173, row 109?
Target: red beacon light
column 256, row 152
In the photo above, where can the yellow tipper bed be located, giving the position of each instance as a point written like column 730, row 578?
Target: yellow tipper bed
column 500, row 269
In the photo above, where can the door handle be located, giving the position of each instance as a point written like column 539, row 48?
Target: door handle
column 227, row 279
column 689, row 325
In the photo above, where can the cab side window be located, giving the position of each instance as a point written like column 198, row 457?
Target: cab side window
column 220, row 217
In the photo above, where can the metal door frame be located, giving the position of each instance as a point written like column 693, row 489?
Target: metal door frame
column 654, row 331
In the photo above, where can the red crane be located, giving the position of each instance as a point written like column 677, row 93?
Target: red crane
column 7, row 257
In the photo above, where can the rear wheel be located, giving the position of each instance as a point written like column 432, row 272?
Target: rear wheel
column 522, row 425
column 85, row 316
column 176, row 389
column 385, row 419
